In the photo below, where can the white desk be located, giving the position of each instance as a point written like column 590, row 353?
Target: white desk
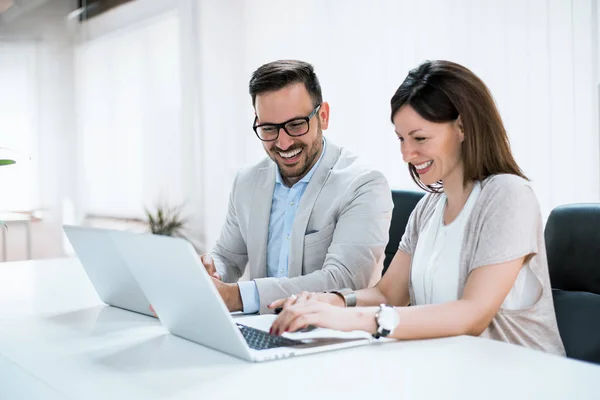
column 57, row 341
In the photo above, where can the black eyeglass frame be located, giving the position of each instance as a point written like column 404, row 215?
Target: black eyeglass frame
column 283, row 124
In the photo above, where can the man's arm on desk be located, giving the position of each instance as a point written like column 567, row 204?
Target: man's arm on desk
column 358, row 244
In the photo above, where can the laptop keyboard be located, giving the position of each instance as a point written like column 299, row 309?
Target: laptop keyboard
column 261, row 340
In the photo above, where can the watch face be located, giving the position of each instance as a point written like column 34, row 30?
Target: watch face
column 388, row 318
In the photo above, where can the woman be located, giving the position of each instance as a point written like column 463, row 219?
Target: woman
column 472, row 260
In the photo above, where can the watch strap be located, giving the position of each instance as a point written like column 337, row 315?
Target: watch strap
column 348, row 295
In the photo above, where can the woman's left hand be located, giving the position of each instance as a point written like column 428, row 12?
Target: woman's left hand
column 323, row 315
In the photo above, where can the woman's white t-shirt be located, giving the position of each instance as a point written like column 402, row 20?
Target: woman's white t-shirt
column 435, row 265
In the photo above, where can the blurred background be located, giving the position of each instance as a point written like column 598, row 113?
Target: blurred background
column 115, row 108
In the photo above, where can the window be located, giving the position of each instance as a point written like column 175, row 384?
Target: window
column 18, row 125
column 129, row 99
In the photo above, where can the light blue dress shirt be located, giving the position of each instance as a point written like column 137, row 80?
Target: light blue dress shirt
column 283, row 211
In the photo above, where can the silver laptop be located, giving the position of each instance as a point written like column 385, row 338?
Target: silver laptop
column 107, row 269
column 189, row 305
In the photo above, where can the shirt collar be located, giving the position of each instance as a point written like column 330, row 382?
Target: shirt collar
column 306, row 178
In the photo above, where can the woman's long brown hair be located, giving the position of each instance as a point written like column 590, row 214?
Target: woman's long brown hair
column 441, row 91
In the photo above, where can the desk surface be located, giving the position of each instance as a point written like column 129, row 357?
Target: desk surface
column 15, row 217
column 58, row 341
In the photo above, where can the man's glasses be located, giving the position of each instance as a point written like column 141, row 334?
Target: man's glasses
column 294, row 127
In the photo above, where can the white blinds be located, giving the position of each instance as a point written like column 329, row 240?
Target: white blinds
column 536, row 56
column 129, row 101
column 18, row 125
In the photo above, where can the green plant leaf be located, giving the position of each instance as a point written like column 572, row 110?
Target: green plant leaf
column 173, row 226
column 7, row 162
column 150, row 217
column 166, row 220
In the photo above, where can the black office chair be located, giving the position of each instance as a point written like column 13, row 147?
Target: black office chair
column 572, row 236
column 404, row 203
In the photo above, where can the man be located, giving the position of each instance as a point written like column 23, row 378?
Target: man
column 309, row 217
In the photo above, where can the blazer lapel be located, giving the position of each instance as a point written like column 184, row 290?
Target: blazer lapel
column 258, row 225
column 306, row 206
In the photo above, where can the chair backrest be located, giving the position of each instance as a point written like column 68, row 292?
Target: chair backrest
column 404, row 203
column 572, row 237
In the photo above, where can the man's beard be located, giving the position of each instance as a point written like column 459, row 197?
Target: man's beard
column 303, row 166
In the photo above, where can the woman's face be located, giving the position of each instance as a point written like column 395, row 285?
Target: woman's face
column 434, row 149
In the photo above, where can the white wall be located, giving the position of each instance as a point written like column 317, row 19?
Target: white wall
column 18, row 123
column 130, row 117
column 53, row 155
column 45, row 29
column 138, row 112
column 226, row 113
column 538, row 58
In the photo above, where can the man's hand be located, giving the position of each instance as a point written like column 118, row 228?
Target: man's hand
column 230, row 293
column 152, row 311
column 209, row 264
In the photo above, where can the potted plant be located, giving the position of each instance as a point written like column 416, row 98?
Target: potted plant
column 167, row 221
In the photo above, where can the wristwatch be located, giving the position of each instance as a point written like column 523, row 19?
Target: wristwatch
column 348, row 295
column 387, row 320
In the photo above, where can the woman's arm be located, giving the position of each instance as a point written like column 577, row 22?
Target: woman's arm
column 485, row 291
column 392, row 288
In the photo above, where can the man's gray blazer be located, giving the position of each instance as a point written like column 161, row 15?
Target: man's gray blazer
column 338, row 236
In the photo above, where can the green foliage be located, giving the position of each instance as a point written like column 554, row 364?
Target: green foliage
column 166, row 221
